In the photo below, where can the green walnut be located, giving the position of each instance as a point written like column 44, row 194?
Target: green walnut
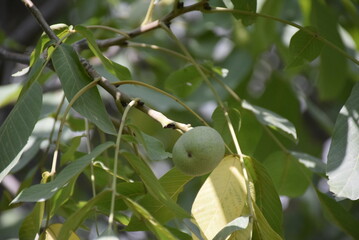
column 198, row 151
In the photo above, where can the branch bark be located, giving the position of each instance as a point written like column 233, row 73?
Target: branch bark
column 40, row 19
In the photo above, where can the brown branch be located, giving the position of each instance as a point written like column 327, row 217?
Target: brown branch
column 40, row 19
column 123, row 99
column 14, row 56
column 121, row 40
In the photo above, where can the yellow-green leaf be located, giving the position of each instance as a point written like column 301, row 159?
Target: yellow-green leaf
column 52, row 233
column 221, row 199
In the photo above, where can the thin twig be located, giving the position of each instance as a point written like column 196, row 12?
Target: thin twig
column 117, row 151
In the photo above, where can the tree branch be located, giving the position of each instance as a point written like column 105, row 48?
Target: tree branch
column 121, row 40
column 40, row 19
column 13, row 56
column 123, row 100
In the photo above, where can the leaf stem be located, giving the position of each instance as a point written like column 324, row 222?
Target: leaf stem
column 109, row 29
column 67, row 110
column 92, row 177
column 156, row 47
column 148, row 17
column 115, row 166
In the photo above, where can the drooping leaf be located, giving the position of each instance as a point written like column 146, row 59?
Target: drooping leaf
column 153, row 185
column 69, row 152
column 173, row 182
column 290, row 177
column 184, row 81
column 160, row 231
column 154, row 147
column 129, row 189
column 237, row 224
column 73, row 78
column 222, row 198
column 312, row 163
column 30, row 150
column 221, row 125
column 61, row 30
column 17, row 128
column 267, row 198
column 121, row 72
column 35, row 75
column 249, row 6
column 261, row 228
column 250, row 133
column 304, row 45
column 272, row 120
column 339, row 215
column 333, row 65
column 41, row 192
column 75, row 220
column 53, row 231
column 32, row 223
column 265, row 32
column 343, row 156
column 62, row 196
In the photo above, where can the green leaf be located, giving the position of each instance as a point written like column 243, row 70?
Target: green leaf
column 333, row 74
column 34, row 75
column 160, row 231
column 261, row 228
column 250, row 133
column 304, row 46
column 173, row 183
column 290, row 177
column 314, row 164
column 129, row 189
column 221, row 125
column 243, row 5
column 237, row 224
column 152, row 184
column 184, row 81
column 17, row 128
column 61, row 30
column 73, row 78
column 272, row 120
column 154, row 147
column 121, row 72
column 69, row 153
column 62, row 196
column 75, row 220
column 267, row 198
column 343, row 156
column 265, row 32
column 32, row 223
column 52, row 232
column 339, row 215
column 222, row 198
column 41, row 192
